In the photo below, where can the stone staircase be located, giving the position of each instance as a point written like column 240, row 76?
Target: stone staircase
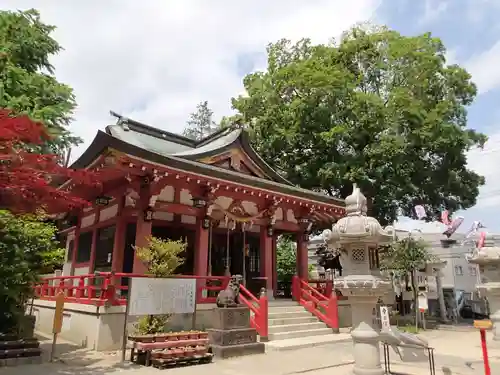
column 289, row 320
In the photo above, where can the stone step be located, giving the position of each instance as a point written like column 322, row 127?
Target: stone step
column 282, row 303
column 297, row 334
column 277, row 309
column 291, row 314
column 286, row 321
column 307, row 342
column 297, row 327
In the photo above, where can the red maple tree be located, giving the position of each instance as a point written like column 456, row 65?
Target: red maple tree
column 26, row 177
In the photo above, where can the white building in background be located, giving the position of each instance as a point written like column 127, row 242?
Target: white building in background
column 457, row 275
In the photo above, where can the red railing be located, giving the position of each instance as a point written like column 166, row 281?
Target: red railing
column 259, row 308
column 112, row 288
column 323, row 307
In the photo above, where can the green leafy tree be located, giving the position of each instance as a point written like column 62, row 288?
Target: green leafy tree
column 406, row 257
column 200, row 124
column 376, row 108
column 27, row 81
column 286, row 259
column 162, row 258
column 28, row 248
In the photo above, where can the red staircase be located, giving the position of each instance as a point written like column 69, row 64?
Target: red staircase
column 321, row 301
column 259, row 308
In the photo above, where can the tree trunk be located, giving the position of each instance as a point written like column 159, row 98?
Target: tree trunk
column 415, row 298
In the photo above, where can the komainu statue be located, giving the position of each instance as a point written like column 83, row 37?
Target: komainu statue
column 229, row 296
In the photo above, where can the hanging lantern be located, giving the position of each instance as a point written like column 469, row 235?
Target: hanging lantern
column 102, row 200
column 199, row 202
column 270, row 231
column 205, row 224
column 148, row 214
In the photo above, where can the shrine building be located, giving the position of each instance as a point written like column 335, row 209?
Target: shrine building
column 217, row 193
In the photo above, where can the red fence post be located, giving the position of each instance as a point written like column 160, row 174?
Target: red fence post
column 487, row 370
column 333, row 312
column 80, row 290
column 264, row 318
column 329, row 288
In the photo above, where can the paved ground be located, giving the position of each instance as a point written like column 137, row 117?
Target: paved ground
column 457, row 353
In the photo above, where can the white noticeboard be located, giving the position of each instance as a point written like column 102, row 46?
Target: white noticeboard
column 384, row 317
column 422, row 302
column 150, row 296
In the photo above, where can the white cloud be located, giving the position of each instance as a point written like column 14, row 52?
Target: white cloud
column 484, row 68
column 433, row 9
column 485, row 162
column 154, row 60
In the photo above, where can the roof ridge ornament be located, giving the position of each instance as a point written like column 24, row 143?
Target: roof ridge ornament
column 121, row 120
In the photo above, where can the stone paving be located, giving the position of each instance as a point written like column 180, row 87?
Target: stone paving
column 457, row 353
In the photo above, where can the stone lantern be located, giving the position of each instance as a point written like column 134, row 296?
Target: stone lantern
column 357, row 238
column 488, row 260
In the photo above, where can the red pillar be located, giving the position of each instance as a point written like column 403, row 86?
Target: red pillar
column 201, row 258
column 201, row 249
column 302, row 256
column 119, row 240
column 95, row 231
column 143, row 229
column 76, row 239
column 266, row 259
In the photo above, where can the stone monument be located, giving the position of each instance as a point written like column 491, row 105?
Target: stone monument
column 488, row 259
column 232, row 335
column 356, row 238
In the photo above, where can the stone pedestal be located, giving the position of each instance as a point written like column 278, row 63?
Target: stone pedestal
column 491, row 291
column 365, row 337
column 363, row 292
column 232, row 335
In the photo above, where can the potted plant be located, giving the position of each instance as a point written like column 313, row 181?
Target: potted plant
column 166, row 354
column 189, row 351
column 201, row 349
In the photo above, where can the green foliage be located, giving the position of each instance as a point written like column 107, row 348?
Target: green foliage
column 162, row 257
column 405, row 256
column 200, row 124
column 28, row 248
column 286, row 259
column 376, row 108
column 27, row 81
column 147, row 325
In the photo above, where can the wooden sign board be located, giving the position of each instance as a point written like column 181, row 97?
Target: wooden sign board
column 151, row 296
column 483, row 324
column 58, row 314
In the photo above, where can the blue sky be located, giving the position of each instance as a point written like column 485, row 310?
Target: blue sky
column 154, row 60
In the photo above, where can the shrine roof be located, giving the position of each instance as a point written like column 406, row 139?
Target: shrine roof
column 175, row 151
column 168, row 144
